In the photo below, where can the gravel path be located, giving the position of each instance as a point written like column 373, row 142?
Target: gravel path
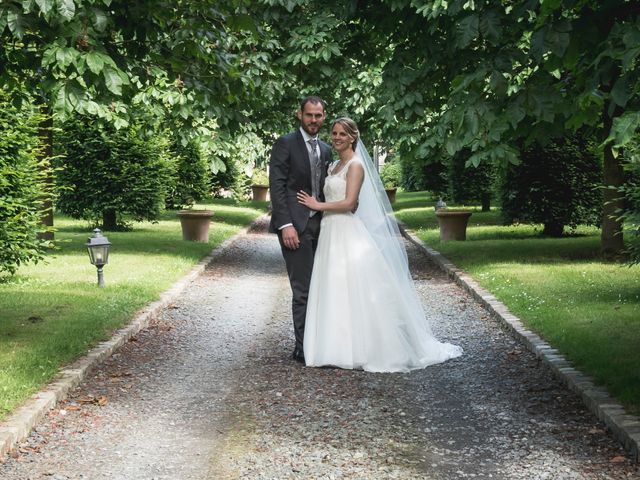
column 209, row 392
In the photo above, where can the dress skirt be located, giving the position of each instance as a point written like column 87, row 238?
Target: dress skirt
column 356, row 316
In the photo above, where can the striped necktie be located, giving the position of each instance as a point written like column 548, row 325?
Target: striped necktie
column 315, row 169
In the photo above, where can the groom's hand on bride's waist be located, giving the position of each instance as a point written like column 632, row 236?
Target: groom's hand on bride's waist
column 290, row 238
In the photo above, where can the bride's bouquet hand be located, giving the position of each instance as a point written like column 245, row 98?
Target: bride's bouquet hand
column 308, row 201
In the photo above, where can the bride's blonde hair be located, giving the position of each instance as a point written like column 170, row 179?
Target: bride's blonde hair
column 351, row 128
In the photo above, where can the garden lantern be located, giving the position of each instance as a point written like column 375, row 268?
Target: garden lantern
column 98, row 247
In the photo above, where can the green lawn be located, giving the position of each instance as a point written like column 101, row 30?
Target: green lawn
column 587, row 308
column 53, row 312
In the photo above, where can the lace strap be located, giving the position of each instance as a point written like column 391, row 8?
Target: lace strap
column 345, row 168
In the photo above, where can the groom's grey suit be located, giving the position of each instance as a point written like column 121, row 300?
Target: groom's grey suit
column 291, row 171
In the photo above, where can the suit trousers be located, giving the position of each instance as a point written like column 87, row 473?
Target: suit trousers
column 299, row 267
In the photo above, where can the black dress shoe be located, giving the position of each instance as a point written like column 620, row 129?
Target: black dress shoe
column 298, row 355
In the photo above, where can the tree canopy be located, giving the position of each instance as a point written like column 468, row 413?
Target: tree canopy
column 430, row 77
column 175, row 61
column 436, row 77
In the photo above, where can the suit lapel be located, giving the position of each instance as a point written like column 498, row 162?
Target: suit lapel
column 303, row 153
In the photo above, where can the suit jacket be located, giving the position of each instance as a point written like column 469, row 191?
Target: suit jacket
column 290, row 172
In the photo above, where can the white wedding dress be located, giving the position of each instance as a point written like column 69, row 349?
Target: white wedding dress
column 359, row 315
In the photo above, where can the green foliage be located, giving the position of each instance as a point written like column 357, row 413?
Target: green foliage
column 469, row 183
column 259, row 177
column 230, row 181
column 22, row 187
column 391, row 174
column 246, row 148
column 557, row 184
column 190, row 177
column 109, row 174
column 483, row 76
column 631, row 193
column 241, row 154
column 417, row 176
column 106, row 58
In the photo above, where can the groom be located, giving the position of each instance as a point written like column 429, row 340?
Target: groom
column 299, row 162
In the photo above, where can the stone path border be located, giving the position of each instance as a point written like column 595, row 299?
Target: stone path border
column 625, row 427
column 18, row 426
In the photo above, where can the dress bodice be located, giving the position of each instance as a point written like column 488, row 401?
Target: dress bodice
column 335, row 185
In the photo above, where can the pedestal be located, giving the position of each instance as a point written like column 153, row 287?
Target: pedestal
column 391, row 194
column 453, row 225
column 259, row 192
column 195, row 224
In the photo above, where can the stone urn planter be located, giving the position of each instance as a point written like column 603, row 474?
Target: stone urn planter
column 453, row 224
column 195, row 224
column 260, row 192
column 391, row 194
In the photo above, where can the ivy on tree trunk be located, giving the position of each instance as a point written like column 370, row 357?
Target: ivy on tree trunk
column 611, row 236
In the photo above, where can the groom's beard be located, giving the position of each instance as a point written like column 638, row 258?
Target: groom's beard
column 312, row 128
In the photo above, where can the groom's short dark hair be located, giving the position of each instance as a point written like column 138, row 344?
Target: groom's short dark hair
column 312, row 99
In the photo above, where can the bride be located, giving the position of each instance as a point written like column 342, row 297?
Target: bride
column 363, row 311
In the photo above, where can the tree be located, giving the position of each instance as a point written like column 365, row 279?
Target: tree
column 22, row 186
column 418, row 175
column 493, row 75
column 190, row 176
column 468, row 183
column 110, row 175
column 557, row 184
column 241, row 154
column 106, row 58
column 631, row 193
column 429, row 78
column 93, row 57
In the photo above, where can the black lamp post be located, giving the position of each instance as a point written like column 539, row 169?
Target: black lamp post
column 98, row 247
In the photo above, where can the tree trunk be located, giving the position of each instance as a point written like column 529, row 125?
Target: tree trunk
column 486, row 201
column 46, row 138
column 611, row 238
column 109, row 220
column 553, row 229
